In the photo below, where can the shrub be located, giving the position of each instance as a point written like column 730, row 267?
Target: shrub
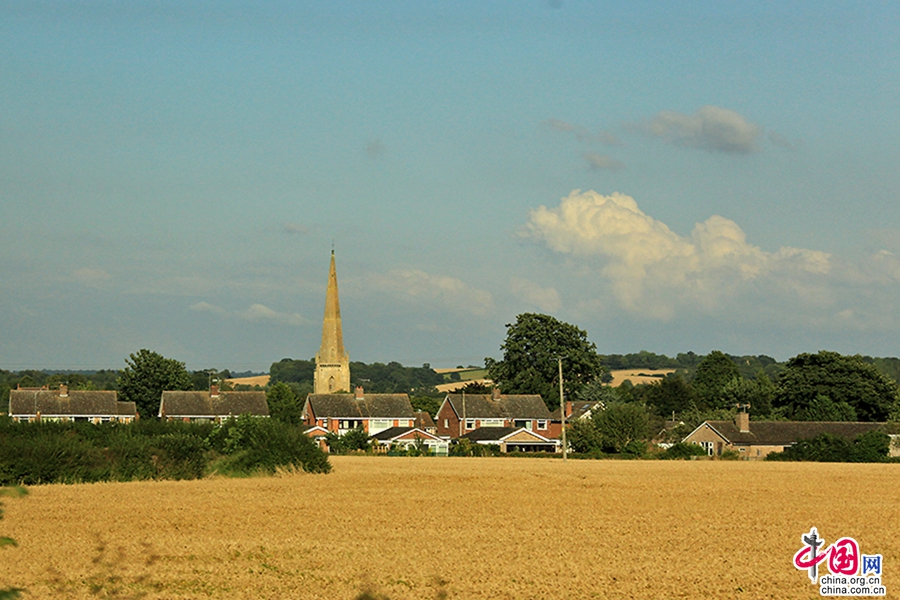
column 872, row 446
column 682, row 451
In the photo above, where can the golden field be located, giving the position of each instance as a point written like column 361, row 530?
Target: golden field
column 453, row 527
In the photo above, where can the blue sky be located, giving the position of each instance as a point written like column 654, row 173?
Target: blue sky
column 667, row 176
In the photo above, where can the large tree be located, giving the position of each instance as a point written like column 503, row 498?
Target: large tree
column 283, row 404
column 529, row 364
column 827, row 383
column 713, row 374
column 146, row 375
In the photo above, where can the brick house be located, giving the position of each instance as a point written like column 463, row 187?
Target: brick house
column 756, row 439
column 462, row 413
column 512, row 439
column 340, row 413
column 212, row 405
column 42, row 404
column 574, row 411
column 410, row 436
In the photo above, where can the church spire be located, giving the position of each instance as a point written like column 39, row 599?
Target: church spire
column 332, row 360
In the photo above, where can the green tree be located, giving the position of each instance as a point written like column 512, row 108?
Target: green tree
column 713, row 373
column 583, row 436
column 671, row 395
column 621, row 424
column 843, row 380
column 529, row 364
column 283, row 404
column 758, row 393
column 146, row 376
column 429, row 404
column 596, row 391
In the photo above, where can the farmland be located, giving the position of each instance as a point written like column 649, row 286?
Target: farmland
column 457, row 528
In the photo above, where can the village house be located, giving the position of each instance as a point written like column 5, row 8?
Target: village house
column 212, row 405
column 756, row 439
column 409, row 436
column 339, row 413
column 95, row 406
column 462, row 413
column 512, row 439
column 577, row 410
column 425, row 422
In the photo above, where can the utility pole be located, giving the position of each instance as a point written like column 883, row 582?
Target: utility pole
column 562, row 408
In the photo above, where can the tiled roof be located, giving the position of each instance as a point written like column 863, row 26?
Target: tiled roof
column 509, row 406
column 88, row 403
column 783, row 433
column 579, row 408
column 202, row 404
column 371, row 406
column 424, row 420
column 394, row 432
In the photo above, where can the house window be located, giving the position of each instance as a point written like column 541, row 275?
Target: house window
column 492, row 422
column 526, row 423
column 376, row 425
column 708, row 446
column 542, row 424
column 446, row 423
column 470, row 423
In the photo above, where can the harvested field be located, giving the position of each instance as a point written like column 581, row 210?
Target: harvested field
column 464, row 527
column 638, row 376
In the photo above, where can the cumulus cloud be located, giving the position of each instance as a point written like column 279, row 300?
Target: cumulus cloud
column 414, row 286
column 711, row 128
column 546, row 299
column 582, row 134
column 256, row 313
column 602, row 162
column 651, row 269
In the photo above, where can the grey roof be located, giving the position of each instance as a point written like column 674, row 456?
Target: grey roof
column 393, row 432
column 784, row 433
column 371, row 406
column 88, row 403
column 579, row 408
column 508, row 406
column 496, row 434
column 424, row 420
column 202, row 404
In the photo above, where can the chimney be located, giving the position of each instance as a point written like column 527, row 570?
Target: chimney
column 742, row 421
column 495, row 393
column 63, row 390
column 359, row 392
column 214, row 390
column 568, row 408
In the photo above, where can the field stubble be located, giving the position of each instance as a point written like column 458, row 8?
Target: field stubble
column 455, row 527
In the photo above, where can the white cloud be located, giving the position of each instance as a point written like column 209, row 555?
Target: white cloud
column 414, row 286
column 602, row 162
column 255, row 313
column 654, row 271
column 711, row 128
column 546, row 299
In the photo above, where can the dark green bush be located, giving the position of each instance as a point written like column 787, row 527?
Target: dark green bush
column 872, row 446
column 51, row 452
column 682, row 451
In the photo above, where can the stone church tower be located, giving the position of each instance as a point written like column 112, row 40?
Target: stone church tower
column 332, row 361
